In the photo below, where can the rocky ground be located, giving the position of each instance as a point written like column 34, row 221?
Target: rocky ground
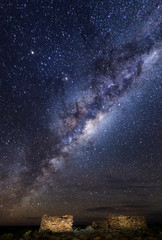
column 88, row 233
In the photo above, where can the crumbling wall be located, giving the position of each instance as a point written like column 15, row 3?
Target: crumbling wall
column 129, row 222
column 57, row 224
column 100, row 225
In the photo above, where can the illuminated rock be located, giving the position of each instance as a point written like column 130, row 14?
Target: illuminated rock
column 57, row 224
column 127, row 222
column 117, row 223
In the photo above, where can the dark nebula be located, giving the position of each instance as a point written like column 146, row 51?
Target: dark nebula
column 80, row 109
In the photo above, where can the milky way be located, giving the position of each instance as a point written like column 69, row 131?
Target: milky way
column 80, row 109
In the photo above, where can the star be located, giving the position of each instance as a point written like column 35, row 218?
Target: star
column 80, row 109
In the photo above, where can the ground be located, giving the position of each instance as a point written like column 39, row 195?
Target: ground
column 31, row 233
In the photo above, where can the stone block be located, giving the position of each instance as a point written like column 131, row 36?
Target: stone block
column 57, row 224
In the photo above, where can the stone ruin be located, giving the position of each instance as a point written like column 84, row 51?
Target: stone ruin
column 100, row 225
column 57, row 224
column 113, row 223
column 127, row 222
column 117, row 223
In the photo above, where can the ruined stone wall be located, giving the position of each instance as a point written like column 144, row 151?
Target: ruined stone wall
column 57, row 224
column 100, row 225
column 129, row 222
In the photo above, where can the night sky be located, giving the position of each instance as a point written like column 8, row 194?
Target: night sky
column 80, row 109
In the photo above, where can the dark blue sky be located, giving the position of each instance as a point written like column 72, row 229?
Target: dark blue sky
column 80, row 110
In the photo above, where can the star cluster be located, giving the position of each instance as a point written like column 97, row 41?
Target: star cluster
column 80, row 109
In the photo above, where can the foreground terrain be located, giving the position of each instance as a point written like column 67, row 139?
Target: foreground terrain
column 154, row 232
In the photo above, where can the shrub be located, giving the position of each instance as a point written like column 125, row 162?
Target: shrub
column 82, row 236
column 6, row 236
column 42, row 235
column 108, row 237
column 77, row 228
column 89, row 229
column 97, row 238
column 76, row 231
column 28, row 233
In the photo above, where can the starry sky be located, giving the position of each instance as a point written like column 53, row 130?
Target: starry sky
column 80, row 109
